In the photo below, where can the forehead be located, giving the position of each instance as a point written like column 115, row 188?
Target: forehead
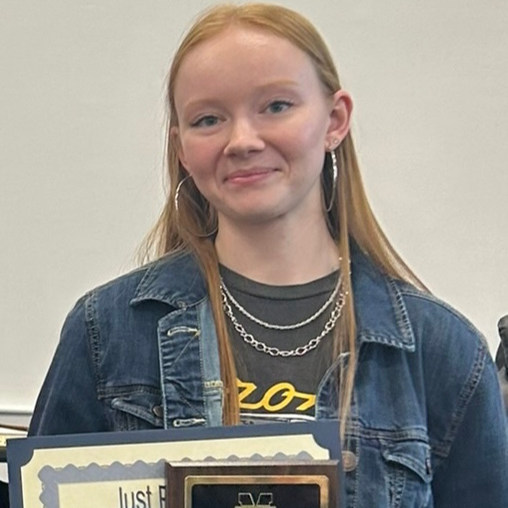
column 242, row 54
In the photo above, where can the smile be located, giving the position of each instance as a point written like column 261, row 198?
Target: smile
column 249, row 176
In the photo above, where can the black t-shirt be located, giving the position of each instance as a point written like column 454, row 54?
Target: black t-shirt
column 273, row 387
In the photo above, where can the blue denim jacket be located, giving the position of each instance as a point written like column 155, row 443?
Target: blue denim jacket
column 428, row 427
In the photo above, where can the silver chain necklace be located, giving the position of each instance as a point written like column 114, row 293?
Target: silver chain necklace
column 227, row 294
column 248, row 338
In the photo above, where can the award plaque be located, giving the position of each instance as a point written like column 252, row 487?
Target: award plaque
column 309, row 484
column 128, row 469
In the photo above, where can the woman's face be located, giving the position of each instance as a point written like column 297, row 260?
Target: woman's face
column 254, row 123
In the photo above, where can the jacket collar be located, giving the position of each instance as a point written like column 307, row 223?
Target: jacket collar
column 381, row 315
column 174, row 279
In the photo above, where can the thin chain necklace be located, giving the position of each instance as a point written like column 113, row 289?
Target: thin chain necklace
column 226, row 294
column 249, row 339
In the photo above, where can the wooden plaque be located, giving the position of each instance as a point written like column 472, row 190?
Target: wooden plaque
column 311, row 484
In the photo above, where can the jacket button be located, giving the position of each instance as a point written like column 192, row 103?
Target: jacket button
column 349, row 461
column 158, row 411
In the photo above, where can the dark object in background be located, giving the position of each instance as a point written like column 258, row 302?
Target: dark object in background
column 4, row 495
column 502, row 352
column 502, row 359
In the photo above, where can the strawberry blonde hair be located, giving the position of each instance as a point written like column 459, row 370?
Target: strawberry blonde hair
column 350, row 218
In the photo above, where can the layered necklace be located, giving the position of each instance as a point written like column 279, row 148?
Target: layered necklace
column 336, row 300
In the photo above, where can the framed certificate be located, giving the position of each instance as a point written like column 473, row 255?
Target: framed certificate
column 127, row 469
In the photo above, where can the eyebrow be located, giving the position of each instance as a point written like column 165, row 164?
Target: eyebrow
column 280, row 83
column 283, row 83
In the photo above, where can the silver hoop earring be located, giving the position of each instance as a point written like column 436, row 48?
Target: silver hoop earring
column 178, row 189
column 335, row 172
column 177, row 209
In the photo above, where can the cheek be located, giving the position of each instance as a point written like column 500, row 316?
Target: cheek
column 197, row 156
column 304, row 144
column 307, row 133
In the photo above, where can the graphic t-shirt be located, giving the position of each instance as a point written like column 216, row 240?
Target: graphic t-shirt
column 274, row 388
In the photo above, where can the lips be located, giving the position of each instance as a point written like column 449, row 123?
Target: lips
column 249, row 175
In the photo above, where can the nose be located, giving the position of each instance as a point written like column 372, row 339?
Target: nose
column 244, row 139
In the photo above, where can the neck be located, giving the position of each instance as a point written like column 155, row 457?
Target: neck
column 278, row 253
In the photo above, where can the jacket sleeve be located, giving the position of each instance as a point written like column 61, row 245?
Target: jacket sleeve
column 475, row 472
column 68, row 401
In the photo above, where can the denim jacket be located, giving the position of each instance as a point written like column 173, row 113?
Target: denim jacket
column 427, row 423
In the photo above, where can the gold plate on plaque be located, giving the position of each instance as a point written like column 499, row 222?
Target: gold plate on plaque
column 312, row 484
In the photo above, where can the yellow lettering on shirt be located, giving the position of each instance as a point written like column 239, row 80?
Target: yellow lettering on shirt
column 286, row 391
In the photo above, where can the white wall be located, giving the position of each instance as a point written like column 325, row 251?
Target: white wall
column 81, row 114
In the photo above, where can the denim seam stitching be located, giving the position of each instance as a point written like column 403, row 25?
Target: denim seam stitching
column 160, row 337
column 464, row 398
column 353, row 423
column 206, row 406
column 430, row 299
column 401, row 313
column 466, row 395
column 121, row 391
column 397, row 481
column 93, row 332
column 417, row 434
column 92, row 329
column 163, row 364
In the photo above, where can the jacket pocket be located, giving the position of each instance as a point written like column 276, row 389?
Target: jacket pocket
column 139, row 410
column 409, row 473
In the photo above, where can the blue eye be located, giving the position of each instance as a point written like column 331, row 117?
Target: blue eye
column 205, row 121
column 279, row 106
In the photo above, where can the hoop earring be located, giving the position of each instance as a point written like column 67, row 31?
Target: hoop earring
column 177, row 209
column 177, row 192
column 335, row 172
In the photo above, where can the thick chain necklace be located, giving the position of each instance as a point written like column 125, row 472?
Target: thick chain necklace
column 226, row 293
column 249, row 339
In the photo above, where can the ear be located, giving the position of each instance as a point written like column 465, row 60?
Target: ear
column 175, row 140
column 340, row 118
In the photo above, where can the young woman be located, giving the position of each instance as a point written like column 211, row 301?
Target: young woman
column 275, row 295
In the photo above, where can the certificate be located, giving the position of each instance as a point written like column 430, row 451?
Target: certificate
column 127, row 469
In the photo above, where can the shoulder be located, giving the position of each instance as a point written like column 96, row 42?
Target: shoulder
column 446, row 336
column 456, row 367
column 414, row 319
column 163, row 279
column 445, row 354
column 174, row 280
column 456, row 363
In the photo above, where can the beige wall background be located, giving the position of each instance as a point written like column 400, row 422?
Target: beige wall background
column 81, row 118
